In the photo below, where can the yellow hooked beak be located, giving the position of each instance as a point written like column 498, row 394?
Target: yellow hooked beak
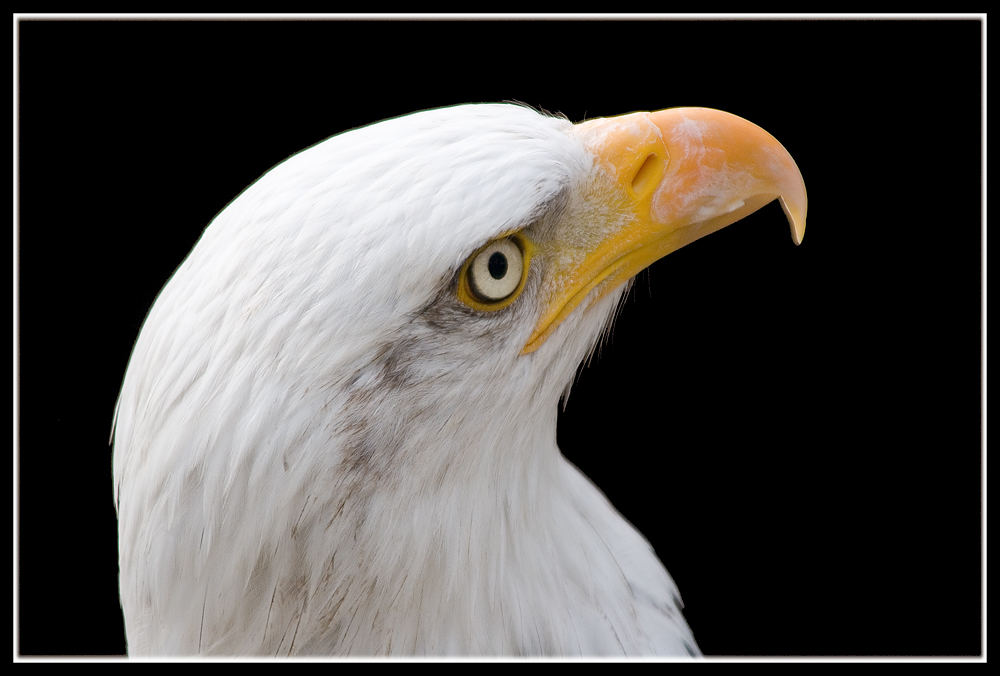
column 661, row 180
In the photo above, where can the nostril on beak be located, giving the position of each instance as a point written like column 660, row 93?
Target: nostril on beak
column 648, row 176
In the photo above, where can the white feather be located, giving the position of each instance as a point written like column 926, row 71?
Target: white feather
column 281, row 490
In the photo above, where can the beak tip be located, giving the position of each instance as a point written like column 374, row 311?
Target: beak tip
column 798, row 232
column 796, row 215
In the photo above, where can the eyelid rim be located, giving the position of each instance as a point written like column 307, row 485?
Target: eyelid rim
column 469, row 297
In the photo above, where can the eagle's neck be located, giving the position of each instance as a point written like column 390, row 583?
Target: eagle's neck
column 485, row 555
column 390, row 523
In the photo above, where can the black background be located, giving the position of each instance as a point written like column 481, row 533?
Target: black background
column 795, row 429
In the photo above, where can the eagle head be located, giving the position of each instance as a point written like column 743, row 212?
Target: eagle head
column 337, row 430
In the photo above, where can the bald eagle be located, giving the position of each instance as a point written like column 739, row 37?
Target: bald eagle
column 336, row 434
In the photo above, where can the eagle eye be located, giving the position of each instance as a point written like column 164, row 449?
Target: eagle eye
column 494, row 275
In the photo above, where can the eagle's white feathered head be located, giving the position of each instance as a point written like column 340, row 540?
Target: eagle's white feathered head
column 337, row 431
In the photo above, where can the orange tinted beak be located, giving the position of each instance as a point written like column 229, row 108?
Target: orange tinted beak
column 660, row 181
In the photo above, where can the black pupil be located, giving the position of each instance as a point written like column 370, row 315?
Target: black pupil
column 497, row 265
